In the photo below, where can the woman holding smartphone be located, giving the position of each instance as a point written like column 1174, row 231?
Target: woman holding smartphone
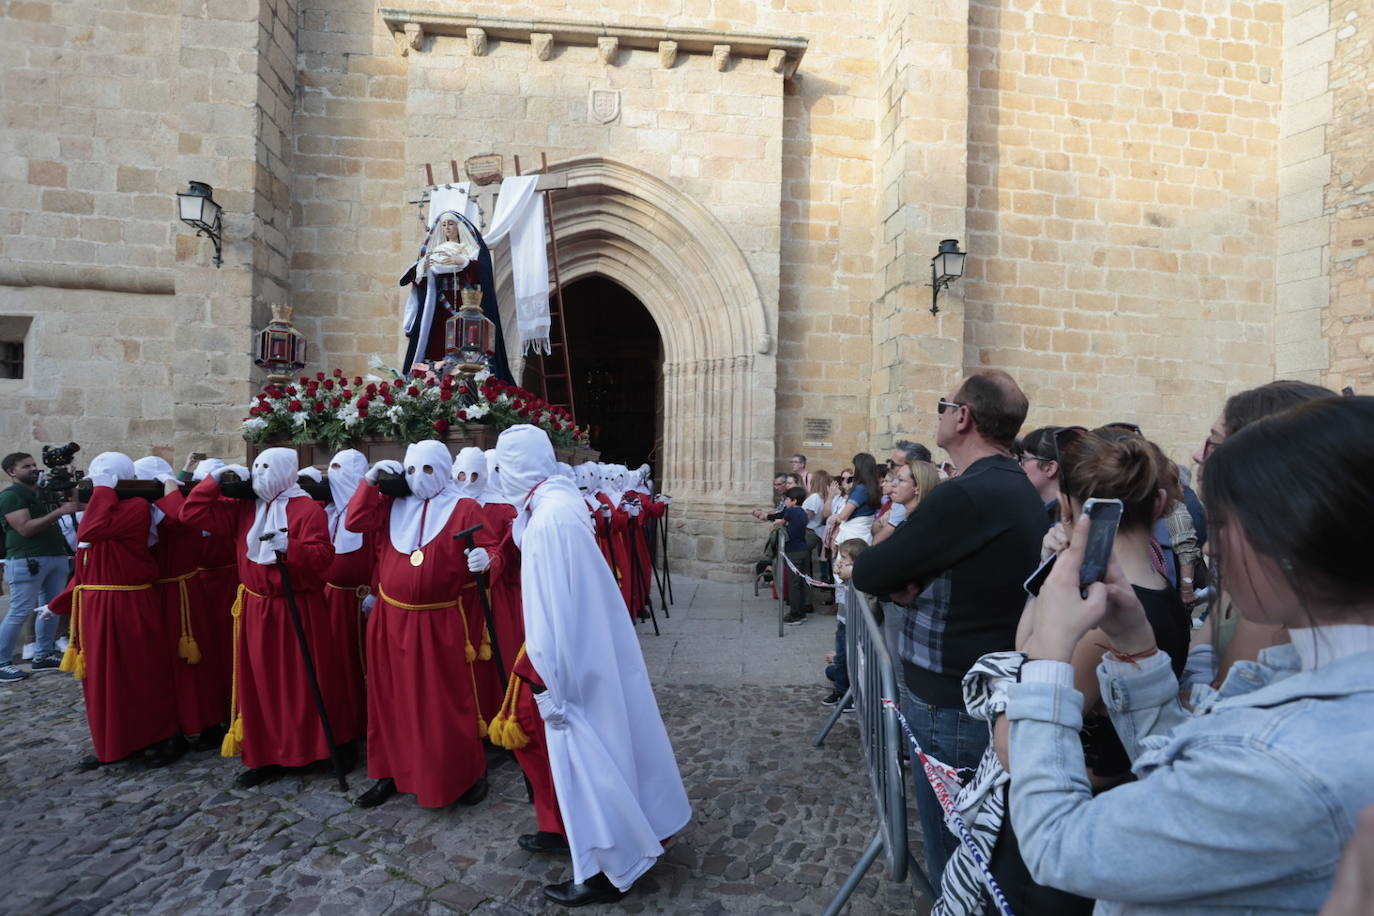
column 1244, row 802
column 1103, row 465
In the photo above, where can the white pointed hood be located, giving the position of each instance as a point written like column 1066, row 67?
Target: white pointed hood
column 346, row 470
column 274, row 481
column 416, row 519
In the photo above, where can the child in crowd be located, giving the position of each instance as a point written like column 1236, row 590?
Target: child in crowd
column 793, row 518
column 838, row 668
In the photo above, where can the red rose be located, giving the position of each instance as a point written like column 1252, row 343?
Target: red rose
column 524, row 414
column 304, row 379
column 441, row 426
column 372, row 391
column 319, row 407
column 253, row 411
column 294, row 406
column 447, row 381
column 291, row 390
column 430, row 382
column 388, row 400
column 338, row 373
column 362, row 411
column 413, row 391
column 363, row 402
column 329, row 384
column 346, row 392
column 464, row 389
column 417, row 372
column 463, row 415
column 319, row 375
column 335, row 402
column 357, row 381
column 446, row 395
column 397, row 383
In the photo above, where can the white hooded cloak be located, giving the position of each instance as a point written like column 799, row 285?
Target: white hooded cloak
column 417, row 519
column 619, row 789
column 472, row 463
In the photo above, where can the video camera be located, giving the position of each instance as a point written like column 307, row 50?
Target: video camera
column 57, row 483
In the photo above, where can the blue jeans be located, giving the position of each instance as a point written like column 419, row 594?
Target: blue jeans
column 838, row 671
column 954, row 738
column 28, row 591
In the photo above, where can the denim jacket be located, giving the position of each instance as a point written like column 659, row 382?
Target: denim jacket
column 1243, row 805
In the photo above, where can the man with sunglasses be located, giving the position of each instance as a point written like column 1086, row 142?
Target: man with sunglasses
column 953, row 573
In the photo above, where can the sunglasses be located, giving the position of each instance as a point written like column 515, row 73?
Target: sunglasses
column 942, row 405
column 1064, row 436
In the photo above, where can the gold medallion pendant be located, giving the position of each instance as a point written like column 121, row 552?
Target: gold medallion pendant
column 417, row 557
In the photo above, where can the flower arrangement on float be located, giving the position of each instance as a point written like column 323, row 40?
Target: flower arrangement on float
column 335, row 409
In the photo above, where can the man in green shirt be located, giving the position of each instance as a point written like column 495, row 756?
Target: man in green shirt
column 36, row 566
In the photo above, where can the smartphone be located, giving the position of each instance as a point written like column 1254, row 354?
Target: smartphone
column 1037, row 578
column 1104, row 515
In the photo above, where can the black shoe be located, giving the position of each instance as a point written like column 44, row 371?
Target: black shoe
column 10, row 674
column 45, row 663
column 543, row 842
column 168, row 752
column 380, row 792
column 835, row 697
column 259, row 775
column 848, row 707
column 210, row 739
column 793, row 620
column 476, row 793
column 596, row 889
column 88, row 763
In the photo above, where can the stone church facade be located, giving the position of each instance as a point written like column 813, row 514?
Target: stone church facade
column 1163, row 201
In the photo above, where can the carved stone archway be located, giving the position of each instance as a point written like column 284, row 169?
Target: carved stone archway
column 720, row 368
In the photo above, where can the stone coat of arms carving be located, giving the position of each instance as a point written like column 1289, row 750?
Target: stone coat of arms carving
column 604, row 105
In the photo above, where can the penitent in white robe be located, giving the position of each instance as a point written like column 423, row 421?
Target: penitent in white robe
column 619, row 789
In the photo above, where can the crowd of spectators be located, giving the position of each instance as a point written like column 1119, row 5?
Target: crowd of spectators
column 1190, row 734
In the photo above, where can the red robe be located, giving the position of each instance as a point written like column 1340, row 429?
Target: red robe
column 621, row 560
column 639, row 533
column 349, row 580
column 281, row 724
column 424, row 729
column 202, row 690
column 219, row 582
column 121, row 636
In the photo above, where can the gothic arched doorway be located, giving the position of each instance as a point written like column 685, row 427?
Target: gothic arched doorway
column 617, row 365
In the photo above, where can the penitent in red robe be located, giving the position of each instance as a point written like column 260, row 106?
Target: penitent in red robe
column 639, row 534
column 202, row 684
column 122, row 637
column 424, row 729
column 622, row 563
column 281, row 724
column 347, row 582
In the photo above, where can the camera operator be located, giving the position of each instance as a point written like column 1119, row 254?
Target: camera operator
column 36, row 566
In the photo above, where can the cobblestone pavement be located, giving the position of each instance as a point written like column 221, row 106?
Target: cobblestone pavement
column 778, row 824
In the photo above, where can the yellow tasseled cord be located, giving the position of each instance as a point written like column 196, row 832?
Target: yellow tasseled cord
column 233, row 738
column 74, row 659
column 505, row 730
column 187, row 647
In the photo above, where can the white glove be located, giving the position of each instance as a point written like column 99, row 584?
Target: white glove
column 478, row 559
column 312, row 474
column 385, row 466
column 552, row 715
column 43, row 612
column 165, row 479
column 667, row 500
column 103, row 480
column 237, row 469
column 633, row 509
column 277, row 542
column 368, row 604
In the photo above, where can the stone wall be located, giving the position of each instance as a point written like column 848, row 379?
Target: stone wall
column 1348, row 320
column 1122, row 218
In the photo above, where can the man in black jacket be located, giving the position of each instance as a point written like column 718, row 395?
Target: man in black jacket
column 954, row 572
